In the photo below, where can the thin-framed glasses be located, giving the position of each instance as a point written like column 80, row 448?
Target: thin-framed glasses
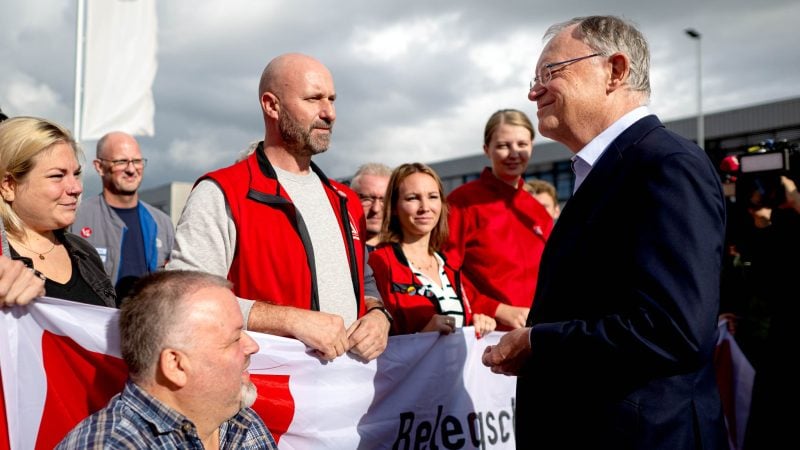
column 121, row 164
column 369, row 200
column 546, row 72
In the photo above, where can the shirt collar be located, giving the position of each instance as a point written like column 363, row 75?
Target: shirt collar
column 165, row 419
column 595, row 148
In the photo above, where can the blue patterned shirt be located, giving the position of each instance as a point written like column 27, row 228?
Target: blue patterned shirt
column 135, row 419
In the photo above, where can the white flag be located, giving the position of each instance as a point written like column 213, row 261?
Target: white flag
column 120, row 66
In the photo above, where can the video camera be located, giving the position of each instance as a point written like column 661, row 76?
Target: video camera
column 758, row 184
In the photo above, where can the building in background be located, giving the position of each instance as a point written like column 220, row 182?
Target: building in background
column 726, row 133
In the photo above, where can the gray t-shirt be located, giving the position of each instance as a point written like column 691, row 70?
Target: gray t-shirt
column 334, row 282
column 206, row 240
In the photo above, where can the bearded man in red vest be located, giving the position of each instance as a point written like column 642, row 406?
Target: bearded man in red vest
column 290, row 239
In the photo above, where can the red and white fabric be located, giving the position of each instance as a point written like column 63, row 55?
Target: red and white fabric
column 60, row 361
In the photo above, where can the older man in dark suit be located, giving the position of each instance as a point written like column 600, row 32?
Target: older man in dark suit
column 617, row 352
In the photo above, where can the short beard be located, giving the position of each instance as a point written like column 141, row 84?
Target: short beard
column 249, row 395
column 298, row 140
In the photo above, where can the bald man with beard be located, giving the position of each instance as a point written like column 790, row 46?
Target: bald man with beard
column 291, row 240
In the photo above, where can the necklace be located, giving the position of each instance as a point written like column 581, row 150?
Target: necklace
column 432, row 263
column 41, row 255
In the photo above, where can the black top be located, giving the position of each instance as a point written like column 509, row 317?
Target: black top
column 87, row 270
column 76, row 289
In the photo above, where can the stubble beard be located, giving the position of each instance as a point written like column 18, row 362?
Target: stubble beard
column 298, row 140
column 119, row 187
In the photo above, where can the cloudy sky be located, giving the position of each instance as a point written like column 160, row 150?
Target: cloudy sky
column 416, row 80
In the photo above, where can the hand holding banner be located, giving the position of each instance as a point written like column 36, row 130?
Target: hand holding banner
column 61, row 361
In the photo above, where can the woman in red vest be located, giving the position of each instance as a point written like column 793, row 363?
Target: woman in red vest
column 421, row 290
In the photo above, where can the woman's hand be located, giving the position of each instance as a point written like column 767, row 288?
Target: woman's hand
column 483, row 325
column 441, row 323
column 512, row 316
column 18, row 284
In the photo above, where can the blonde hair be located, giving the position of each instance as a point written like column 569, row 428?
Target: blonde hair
column 391, row 230
column 22, row 140
column 541, row 187
column 509, row 117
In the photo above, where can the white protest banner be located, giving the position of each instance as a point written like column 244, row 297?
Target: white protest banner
column 60, row 361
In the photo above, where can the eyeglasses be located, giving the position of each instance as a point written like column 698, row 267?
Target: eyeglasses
column 544, row 78
column 369, row 200
column 120, row 164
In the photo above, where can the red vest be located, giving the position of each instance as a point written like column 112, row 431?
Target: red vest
column 273, row 256
column 399, row 289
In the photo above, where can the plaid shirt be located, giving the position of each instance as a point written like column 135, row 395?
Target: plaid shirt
column 135, row 419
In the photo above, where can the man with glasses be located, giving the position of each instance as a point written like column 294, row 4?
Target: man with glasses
column 370, row 183
column 618, row 347
column 132, row 237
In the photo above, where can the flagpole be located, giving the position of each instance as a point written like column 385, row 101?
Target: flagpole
column 79, row 45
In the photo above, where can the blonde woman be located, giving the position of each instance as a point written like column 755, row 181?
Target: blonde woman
column 40, row 184
column 497, row 230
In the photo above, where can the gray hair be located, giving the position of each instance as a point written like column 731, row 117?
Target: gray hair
column 608, row 35
column 152, row 315
column 373, row 168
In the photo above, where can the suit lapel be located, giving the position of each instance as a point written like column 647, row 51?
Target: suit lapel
column 601, row 186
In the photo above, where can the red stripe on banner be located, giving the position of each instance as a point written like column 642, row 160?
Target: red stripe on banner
column 275, row 403
column 79, row 382
column 5, row 443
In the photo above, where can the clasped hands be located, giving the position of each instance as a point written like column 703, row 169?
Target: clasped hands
column 366, row 338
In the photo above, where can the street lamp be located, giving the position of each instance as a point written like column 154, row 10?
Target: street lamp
column 694, row 34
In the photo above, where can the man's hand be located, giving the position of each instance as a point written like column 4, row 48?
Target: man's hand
column 509, row 355
column 369, row 335
column 18, row 284
column 323, row 332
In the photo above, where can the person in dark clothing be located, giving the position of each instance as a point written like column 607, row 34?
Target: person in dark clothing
column 617, row 352
column 768, row 243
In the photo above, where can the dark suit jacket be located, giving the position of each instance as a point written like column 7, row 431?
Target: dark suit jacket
column 624, row 316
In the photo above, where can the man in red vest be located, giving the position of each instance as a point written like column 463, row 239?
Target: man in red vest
column 290, row 239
